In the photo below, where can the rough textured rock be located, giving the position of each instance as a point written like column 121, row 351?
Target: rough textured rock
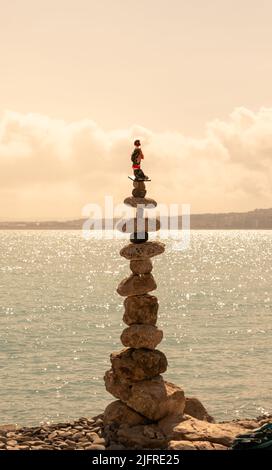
column 141, row 266
column 142, row 225
column 194, row 407
column 132, row 365
column 141, row 336
column 137, row 284
column 119, row 413
column 144, row 250
column 142, row 437
column 178, row 428
column 195, row 445
column 152, row 398
column 138, row 192
column 135, row 201
column 141, row 309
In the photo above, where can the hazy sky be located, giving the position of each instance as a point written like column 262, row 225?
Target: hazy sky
column 170, row 67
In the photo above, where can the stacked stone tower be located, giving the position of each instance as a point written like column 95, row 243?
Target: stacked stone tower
column 135, row 374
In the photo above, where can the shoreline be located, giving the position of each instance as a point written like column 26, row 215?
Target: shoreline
column 98, row 434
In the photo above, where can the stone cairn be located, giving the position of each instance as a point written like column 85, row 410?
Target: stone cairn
column 135, row 375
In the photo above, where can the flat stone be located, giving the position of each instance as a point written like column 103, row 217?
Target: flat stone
column 96, row 429
column 137, row 284
column 146, row 202
column 140, row 225
column 70, row 442
column 153, row 398
column 38, row 442
column 141, row 266
column 41, row 448
column 194, row 407
column 119, row 413
column 132, row 365
column 141, row 336
column 12, row 443
column 141, row 309
column 143, row 250
column 95, row 447
column 195, row 445
column 179, row 428
column 92, row 421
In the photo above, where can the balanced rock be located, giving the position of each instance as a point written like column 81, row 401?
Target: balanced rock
column 152, row 398
column 142, row 266
column 132, row 365
column 134, row 225
column 148, row 203
column 142, row 437
column 141, row 336
column 143, row 250
column 139, row 184
column 119, row 413
column 137, row 284
column 141, row 309
column 138, row 192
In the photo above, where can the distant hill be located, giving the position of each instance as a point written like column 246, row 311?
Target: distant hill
column 259, row 219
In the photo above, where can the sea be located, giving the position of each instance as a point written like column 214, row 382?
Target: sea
column 61, row 317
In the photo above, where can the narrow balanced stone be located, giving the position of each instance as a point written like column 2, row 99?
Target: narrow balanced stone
column 143, row 250
column 137, row 284
column 144, row 225
column 141, row 309
column 141, row 336
column 132, row 365
column 153, row 398
column 135, row 201
column 142, row 266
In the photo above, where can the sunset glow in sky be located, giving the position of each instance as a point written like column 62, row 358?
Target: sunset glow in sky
column 80, row 79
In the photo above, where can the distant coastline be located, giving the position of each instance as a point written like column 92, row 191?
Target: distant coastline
column 258, row 219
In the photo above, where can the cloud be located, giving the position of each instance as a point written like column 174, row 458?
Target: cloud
column 50, row 168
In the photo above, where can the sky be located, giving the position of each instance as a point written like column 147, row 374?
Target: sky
column 80, row 79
